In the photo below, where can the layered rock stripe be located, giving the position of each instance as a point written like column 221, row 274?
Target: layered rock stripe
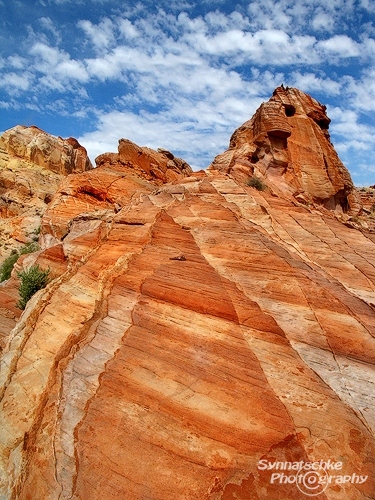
column 191, row 330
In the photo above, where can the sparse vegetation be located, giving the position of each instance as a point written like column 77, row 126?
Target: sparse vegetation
column 7, row 266
column 36, row 233
column 256, row 183
column 32, row 280
column 29, row 248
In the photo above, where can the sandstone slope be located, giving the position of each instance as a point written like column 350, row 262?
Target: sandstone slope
column 193, row 328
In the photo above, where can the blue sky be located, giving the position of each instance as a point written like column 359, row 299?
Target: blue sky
column 183, row 75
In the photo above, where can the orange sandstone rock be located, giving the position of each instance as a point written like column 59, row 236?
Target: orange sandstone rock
column 287, row 143
column 32, row 165
column 193, row 330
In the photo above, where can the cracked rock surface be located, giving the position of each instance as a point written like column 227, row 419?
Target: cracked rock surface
column 192, row 329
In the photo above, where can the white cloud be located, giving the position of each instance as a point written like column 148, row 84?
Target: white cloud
column 12, row 82
column 57, row 66
column 17, row 62
column 361, row 91
column 368, row 5
column 323, row 21
column 101, row 35
column 346, row 125
column 47, row 24
column 340, row 45
column 128, row 29
column 311, row 83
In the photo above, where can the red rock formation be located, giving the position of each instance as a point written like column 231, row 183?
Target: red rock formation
column 287, row 143
column 159, row 166
column 61, row 156
column 192, row 330
column 32, row 165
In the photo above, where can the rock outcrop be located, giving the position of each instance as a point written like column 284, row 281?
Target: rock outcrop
column 61, row 156
column 194, row 331
column 287, row 143
column 159, row 166
column 32, row 165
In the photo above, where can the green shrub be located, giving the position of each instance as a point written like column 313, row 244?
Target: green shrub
column 256, row 183
column 36, row 233
column 32, row 280
column 6, row 267
column 29, row 248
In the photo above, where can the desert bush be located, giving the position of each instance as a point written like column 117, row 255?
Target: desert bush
column 32, row 280
column 6, row 267
column 29, row 248
column 36, row 233
column 256, row 183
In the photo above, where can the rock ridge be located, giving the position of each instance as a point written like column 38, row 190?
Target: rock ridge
column 193, row 327
column 287, row 144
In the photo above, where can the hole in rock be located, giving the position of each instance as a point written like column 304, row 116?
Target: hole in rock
column 289, row 109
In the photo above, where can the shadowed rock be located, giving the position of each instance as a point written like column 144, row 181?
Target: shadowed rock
column 287, row 144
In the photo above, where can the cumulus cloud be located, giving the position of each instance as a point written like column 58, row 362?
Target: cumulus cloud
column 100, row 35
column 323, row 21
column 168, row 77
column 340, row 45
column 57, row 66
column 15, row 82
column 311, row 83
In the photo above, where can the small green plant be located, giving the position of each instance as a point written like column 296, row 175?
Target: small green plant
column 256, row 183
column 6, row 267
column 36, row 233
column 29, row 248
column 32, row 280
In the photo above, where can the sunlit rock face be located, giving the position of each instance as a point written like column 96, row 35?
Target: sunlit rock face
column 287, row 143
column 61, row 156
column 158, row 166
column 192, row 329
column 32, row 165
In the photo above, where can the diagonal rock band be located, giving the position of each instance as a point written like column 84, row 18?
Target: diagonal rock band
column 204, row 335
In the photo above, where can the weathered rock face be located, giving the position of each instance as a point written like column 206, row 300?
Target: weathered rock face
column 288, row 144
column 32, row 164
column 192, row 330
column 158, row 166
column 61, row 156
